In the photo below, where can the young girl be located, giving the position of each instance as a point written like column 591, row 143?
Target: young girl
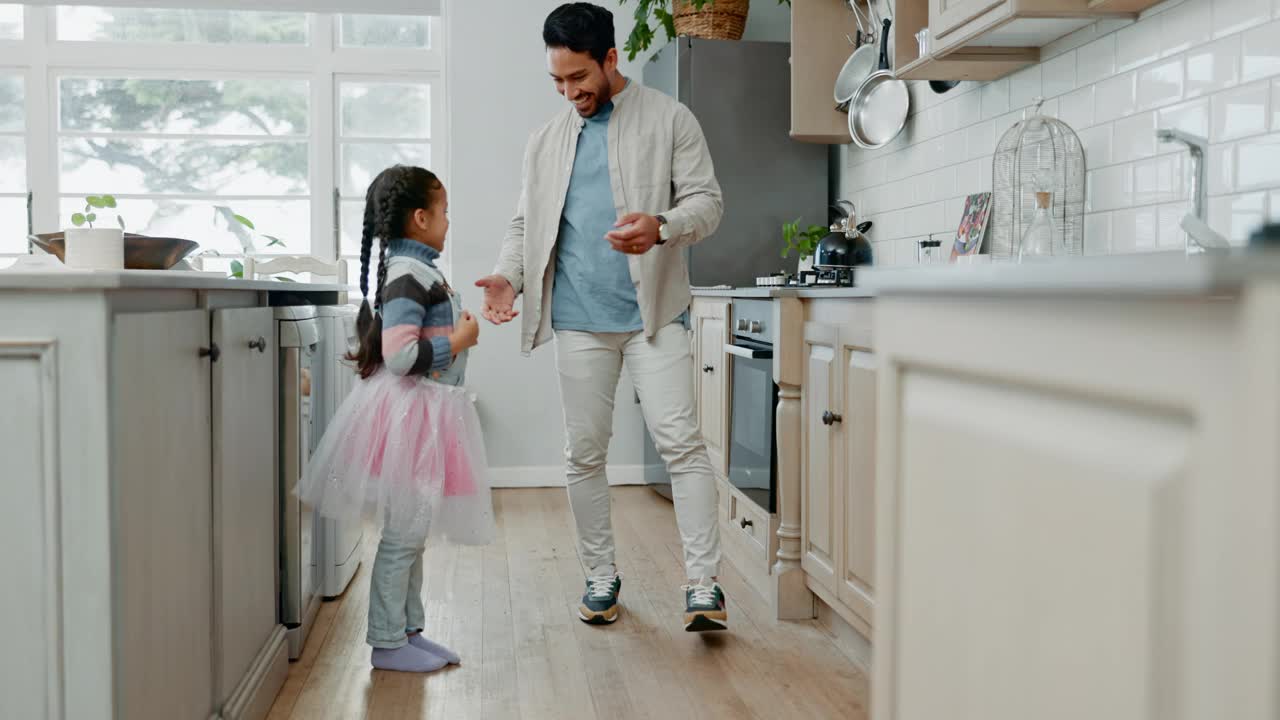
column 406, row 443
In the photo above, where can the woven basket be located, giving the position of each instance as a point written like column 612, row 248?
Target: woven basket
column 717, row 20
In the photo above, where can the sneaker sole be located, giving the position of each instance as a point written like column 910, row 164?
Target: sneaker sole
column 706, row 621
column 603, row 617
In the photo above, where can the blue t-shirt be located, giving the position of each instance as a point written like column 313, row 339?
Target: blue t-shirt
column 593, row 291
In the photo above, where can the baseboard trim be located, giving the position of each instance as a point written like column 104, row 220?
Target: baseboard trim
column 536, row 476
column 258, row 689
column 850, row 640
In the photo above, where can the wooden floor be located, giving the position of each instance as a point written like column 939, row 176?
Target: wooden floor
column 510, row 610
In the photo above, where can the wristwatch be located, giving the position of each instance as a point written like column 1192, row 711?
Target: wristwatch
column 663, row 236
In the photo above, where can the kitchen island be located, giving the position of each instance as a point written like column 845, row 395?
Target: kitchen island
column 139, row 496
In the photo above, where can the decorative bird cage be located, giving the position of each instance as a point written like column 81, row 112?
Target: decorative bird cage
column 1038, row 154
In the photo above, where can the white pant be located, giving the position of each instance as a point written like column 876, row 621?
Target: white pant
column 662, row 370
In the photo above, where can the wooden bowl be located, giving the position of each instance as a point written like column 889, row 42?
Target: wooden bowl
column 141, row 252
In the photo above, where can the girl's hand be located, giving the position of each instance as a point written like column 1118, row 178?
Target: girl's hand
column 466, row 333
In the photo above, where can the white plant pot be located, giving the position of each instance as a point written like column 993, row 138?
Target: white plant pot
column 94, row 248
column 805, row 265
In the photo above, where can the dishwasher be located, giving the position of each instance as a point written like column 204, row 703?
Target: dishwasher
column 298, row 330
column 337, row 543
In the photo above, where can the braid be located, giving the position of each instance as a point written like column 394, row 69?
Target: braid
column 382, row 274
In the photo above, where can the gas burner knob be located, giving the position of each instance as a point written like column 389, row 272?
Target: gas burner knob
column 742, row 325
column 756, row 326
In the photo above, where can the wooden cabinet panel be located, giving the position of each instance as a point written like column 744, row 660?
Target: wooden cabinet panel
column 820, row 512
column 947, row 15
column 711, row 381
column 163, row 504
column 818, row 50
column 858, row 478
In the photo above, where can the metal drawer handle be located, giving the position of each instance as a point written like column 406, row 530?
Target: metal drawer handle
column 213, row 352
column 260, row 344
column 745, row 523
column 830, row 418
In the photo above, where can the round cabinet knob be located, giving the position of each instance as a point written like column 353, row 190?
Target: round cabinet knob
column 708, row 369
column 745, row 523
column 830, row 418
column 260, row 344
column 213, row 352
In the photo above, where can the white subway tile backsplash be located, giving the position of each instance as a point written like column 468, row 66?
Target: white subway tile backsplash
column 1138, row 44
column 1025, row 86
column 1169, row 234
column 1096, row 61
column 1097, row 145
column 1192, row 117
column 1115, row 98
column 1134, row 230
column 1058, row 76
column 995, row 98
column 1231, row 16
column 1134, row 138
column 1160, row 84
column 1236, row 216
column 1221, row 169
column 1258, row 163
column 1241, row 112
column 1076, row 108
column 1213, row 67
column 1109, row 188
column 1261, row 52
column 1114, row 82
column 1158, row 180
column 1185, row 26
column 1097, row 234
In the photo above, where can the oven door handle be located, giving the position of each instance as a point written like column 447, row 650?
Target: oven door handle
column 749, row 353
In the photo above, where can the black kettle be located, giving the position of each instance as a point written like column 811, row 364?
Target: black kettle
column 845, row 246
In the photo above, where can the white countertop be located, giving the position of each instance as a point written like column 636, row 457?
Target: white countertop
column 1170, row 273
column 808, row 293
column 77, row 280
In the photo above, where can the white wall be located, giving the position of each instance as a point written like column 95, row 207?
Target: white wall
column 500, row 92
column 1206, row 66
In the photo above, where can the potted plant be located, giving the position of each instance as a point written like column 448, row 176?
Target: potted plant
column 94, row 248
column 805, row 242
column 715, row 19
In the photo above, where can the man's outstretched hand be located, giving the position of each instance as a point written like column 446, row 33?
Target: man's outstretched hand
column 499, row 299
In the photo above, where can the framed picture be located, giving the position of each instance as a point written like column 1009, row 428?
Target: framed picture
column 973, row 225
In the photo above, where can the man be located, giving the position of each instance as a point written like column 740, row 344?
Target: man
column 615, row 188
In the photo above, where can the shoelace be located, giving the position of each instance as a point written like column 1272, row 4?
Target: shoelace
column 703, row 594
column 600, row 587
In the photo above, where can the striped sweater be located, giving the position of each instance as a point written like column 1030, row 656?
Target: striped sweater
column 419, row 310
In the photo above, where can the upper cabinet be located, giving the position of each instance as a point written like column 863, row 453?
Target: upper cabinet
column 819, row 47
column 988, row 39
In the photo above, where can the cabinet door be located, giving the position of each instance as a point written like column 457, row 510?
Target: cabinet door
column 711, row 369
column 244, row 491
column 821, row 513
column 858, row 480
column 945, row 16
column 163, row 525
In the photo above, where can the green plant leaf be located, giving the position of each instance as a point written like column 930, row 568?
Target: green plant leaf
column 237, row 269
column 109, row 201
column 78, row 219
column 96, row 201
column 91, row 217
column 244, row 221
column 273, row 241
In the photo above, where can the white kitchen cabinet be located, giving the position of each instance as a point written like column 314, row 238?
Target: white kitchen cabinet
column 837, row 475
column 164, row 538
column 139, row 484
column 710, row 320
column 249, row 643
column 1077, row 488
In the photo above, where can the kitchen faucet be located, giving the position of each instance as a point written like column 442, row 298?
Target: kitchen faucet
column 1199, row 236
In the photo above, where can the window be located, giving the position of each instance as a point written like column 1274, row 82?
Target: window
column 197, row 119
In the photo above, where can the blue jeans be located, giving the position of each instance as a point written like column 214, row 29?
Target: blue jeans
column 395, row 590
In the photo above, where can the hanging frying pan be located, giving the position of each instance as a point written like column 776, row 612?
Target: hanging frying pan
column 861, row 63
column 878, row 110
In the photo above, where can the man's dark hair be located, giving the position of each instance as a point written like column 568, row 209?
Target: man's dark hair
column 580, row 27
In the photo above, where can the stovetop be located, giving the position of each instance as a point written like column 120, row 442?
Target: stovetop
column 835, row 278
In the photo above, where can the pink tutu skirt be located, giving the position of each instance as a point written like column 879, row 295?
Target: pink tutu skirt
column 409, row 451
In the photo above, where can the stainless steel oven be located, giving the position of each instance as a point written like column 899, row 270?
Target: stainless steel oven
column 753, row 450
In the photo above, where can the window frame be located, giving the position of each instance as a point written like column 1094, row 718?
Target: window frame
column 324, row 62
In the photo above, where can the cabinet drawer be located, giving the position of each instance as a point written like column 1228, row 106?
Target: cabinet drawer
column 751, row 521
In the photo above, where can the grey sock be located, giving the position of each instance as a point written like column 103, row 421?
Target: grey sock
column 406, row 659
column 422, row 642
